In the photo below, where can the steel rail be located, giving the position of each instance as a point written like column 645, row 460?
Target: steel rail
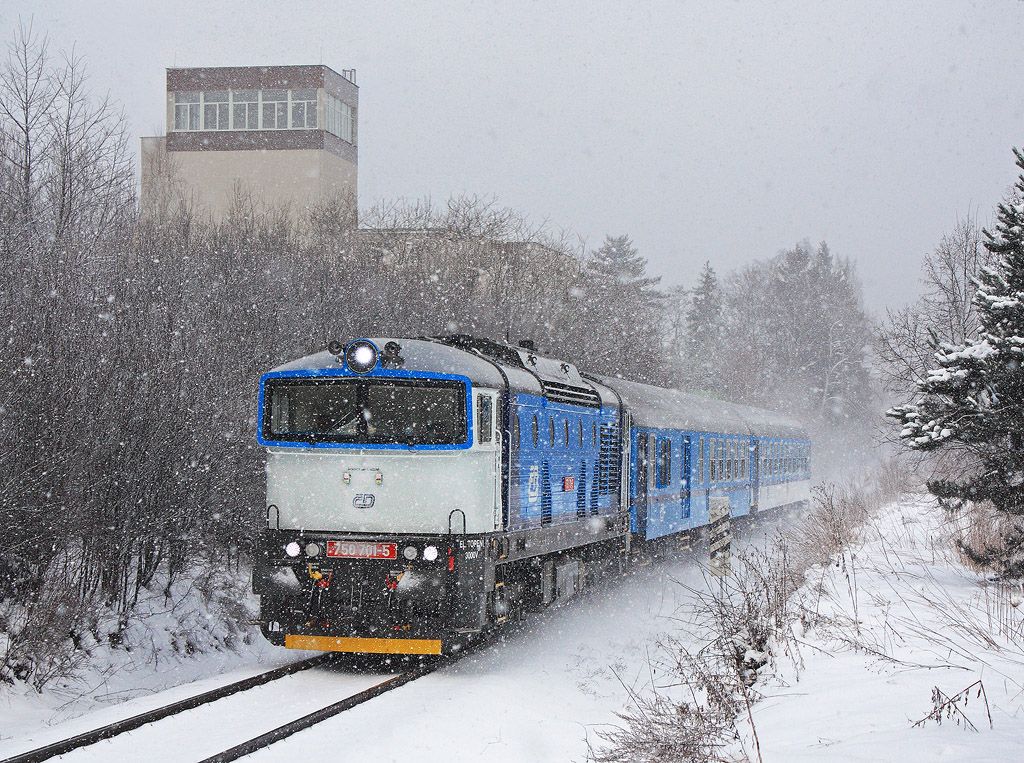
column 129, row 724
column 317, row 716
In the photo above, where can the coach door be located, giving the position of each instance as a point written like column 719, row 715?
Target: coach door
column 755, row 469
column 685, row 496
column 642, row 479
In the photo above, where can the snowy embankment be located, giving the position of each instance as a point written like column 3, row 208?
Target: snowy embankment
column 197, row 633
column 902, row 654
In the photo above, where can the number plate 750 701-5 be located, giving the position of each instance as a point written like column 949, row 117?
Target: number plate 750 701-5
column 355, row 549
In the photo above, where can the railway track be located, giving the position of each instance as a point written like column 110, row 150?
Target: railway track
column 150, row 716
column 251, row 745
column 311, row 719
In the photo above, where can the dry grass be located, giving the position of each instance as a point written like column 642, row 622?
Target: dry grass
column 746, row 622
column 981, row 527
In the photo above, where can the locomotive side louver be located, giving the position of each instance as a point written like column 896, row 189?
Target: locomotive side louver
column 569, row 393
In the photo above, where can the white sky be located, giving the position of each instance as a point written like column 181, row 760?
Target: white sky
column 706, row 130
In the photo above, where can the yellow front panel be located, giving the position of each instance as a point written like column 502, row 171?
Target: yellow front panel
column 364, row 645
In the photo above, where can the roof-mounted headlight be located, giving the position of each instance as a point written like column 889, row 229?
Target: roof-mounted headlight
column 361, row 356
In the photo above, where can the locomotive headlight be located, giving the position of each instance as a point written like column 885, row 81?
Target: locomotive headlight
column 361, row 356
column 312, row 549
column 409, row 552
column 430, row 553
column 292, row 549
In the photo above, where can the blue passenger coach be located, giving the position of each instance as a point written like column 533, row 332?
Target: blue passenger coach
column 686, row 449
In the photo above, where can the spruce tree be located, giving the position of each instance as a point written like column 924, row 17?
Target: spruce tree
column 704, row 332
column 973, row 403
column 624, row 300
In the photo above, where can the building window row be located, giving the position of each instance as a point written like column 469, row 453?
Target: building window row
column 245, row 110
column 340, row 118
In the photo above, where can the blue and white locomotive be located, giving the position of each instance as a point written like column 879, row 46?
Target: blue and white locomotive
column 422, row 491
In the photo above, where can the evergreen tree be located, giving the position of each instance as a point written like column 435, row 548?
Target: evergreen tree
column 704, row 333
column 973, row 403
column 623, row 299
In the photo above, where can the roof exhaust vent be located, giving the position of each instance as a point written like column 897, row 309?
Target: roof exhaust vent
column 528, row 344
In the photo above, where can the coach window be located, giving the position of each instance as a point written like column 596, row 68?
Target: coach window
column 728, row 460
column 484, row 419
column 700, row 461
column 663, row 468
column 536, row 431
column 712, row 472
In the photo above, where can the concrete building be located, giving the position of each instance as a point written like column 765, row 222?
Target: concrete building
column 280, row 136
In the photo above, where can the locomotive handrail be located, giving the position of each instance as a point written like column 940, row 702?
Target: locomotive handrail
column 277, row 513
column 452, row 513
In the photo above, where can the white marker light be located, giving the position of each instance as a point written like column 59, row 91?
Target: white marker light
column 361, row 356
column 409, row 552
column 312, row 549
column 292, row 549
column 430, row 553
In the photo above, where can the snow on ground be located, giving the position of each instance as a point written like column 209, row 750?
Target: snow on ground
column 538, row 695
column 900, row 616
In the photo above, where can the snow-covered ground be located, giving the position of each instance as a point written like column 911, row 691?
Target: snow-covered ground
column 176, row 646
column 538, row 694
column 899, row 616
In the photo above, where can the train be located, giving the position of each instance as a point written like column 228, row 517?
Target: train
column 422, row 492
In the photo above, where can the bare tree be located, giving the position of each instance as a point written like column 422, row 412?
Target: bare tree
column 907, row 340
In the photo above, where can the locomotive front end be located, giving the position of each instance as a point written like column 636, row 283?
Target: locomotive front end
column 380, row 469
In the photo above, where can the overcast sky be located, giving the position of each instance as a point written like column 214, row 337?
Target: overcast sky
column 706, row 130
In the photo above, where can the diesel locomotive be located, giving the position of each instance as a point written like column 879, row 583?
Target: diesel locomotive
column 421, row 492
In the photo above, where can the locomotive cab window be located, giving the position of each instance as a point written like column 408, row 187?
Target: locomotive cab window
column 365, row 411
column 484, row 419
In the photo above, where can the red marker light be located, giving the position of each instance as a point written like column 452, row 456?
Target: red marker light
column 451, row 561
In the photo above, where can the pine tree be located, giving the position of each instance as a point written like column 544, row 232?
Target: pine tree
column 704, row 333
column 625, row 300
column 973, row 403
